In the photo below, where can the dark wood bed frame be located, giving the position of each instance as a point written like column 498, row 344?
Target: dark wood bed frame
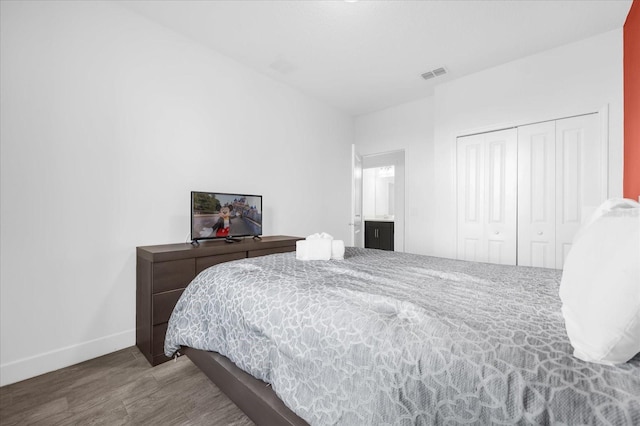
column 253, row 396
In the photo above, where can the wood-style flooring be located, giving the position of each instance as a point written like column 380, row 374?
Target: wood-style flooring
column 119, row 389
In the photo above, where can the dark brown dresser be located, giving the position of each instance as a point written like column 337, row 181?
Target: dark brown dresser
column 163, row 272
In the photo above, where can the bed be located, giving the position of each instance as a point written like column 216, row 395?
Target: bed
column 394, row 338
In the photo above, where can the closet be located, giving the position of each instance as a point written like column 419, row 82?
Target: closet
column 523, row 192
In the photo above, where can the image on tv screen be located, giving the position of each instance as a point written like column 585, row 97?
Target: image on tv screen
column 217, row 215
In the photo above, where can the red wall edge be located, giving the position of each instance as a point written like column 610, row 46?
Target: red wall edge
column 631, row 36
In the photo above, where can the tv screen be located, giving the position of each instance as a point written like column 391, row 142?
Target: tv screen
column 222, row 215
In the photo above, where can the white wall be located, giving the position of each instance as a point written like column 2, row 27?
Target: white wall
column 407, row 127
column 108, row 121
column 572, row 79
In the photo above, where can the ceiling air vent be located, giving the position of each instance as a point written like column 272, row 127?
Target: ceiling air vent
column 439, row 71
column 434, row 73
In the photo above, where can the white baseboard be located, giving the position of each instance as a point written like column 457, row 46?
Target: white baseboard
column 26, row 368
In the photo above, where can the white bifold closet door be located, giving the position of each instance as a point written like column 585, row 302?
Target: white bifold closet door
column 487, row 203
column 537, row 195
column 560, row 179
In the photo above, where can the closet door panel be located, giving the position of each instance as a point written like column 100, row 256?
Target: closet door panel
column 501, row 196
column 541, row 254
column 536, row 195
column 499, row 252
column 487, row 191
column 471, row 250
column 579, row 186
column 470, row 160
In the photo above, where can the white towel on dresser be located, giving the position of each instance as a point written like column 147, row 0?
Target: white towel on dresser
column 320, row 246
column 320, row 236
column 314, row 249
column 337, row 249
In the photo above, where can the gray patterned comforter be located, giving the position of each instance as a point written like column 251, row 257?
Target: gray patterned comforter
column 394, row 338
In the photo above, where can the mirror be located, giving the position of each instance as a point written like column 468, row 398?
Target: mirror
column 378, row 200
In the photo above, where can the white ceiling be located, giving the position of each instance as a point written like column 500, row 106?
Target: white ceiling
column 365, row 56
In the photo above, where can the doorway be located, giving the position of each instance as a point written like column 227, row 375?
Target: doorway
column 383, row 192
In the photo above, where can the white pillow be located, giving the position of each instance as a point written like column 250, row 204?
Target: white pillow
column 600, row 288
column 606, row 207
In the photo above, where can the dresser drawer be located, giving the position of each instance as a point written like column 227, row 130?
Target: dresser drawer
column 264, row 252
column 163, row 304
column 203, row 263
column 173, row 274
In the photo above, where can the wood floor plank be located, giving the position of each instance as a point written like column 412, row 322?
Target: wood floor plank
column 110, row 412
column 51, row 411
column 160, row 407
column 112, row 380
column 120, row 389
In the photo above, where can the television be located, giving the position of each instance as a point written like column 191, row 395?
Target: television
column 223, row 215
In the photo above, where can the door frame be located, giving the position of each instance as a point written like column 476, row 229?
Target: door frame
column 357, row 223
